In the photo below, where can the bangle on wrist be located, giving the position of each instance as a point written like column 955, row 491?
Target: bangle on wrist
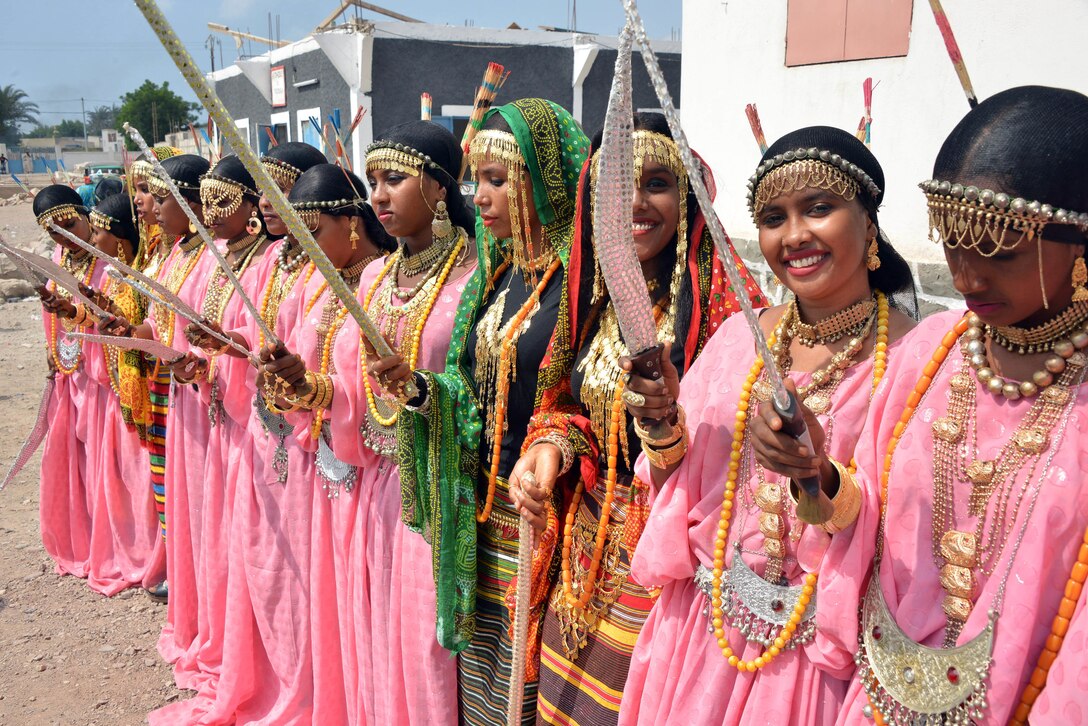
column 678, row 431
column 663, row 458
column 566, row 450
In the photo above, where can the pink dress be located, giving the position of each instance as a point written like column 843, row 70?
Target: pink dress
column 75, row 417
column 187, row 435
column 1051, row 539
column 678, row 673
column 385, row 588
column 228, row 460
column 125, row 529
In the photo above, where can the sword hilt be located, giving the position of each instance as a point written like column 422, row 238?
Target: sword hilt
column 647, row 363
column 813, row 505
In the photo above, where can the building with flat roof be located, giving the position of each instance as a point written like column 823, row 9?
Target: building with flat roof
column 384, row 67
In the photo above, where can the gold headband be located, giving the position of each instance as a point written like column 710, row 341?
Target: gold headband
column 962, row 216
column 100, row 220
column 140, row 171
column 57, row 214
column 284, row 174
column 395, row 157
column 797, row 175
column 500, row 146
column 213, row 191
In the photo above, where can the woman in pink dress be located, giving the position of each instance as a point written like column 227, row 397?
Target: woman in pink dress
column 124, row 533
column 754, row 620
column 185, row 273
column 413, row 296
column 976, row 443
column 68, row 482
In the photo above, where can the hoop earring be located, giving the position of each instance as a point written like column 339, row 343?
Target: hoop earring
column 873, row 256
column 254, row 226
column 1080, row 276
column 354, row 236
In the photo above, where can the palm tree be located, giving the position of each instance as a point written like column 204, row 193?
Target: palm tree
column 15, row 109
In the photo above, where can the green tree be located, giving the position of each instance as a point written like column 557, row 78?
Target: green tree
column 15, row 109
column 155, row 111
column 103, row 117
column 67, row 127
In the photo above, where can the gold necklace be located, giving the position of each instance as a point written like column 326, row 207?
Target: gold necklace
column 412, row 264
column 975, row 352
column 1042, row 338
column 958, row 553
column 219, row 288
column 848, row 321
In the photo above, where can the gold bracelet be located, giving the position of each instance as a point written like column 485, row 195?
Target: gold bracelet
column 679, row 429
column 325, row 390
column 847, row 501
column 663, row 458
column 80, row 318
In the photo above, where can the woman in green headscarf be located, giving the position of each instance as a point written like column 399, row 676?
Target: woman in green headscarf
column 465, row 429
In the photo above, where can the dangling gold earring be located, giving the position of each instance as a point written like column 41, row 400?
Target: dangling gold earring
column 873, row 256
column 354, row 236
column 1080, row 276
column 192, row 227
column 441, row 227
column 254, row 224
column 121, row 256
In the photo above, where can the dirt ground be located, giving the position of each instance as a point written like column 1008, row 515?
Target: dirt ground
column 67, row 654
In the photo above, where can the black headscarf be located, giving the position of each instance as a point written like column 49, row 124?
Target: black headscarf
column 843, row 151
column 439, row 144
column 118, row 207
column 106, row 188
column 294, row 156
column 1029, row 142
column 186, row 170
column 57, row 195
column 344, row 194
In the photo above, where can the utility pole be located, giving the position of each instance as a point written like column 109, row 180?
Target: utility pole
column 86, row 144
column 210, row 42
column 154, row 122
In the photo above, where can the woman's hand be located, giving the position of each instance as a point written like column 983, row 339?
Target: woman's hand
column 282, row 365
column 780, row 452
column 532, row 482
column 101, row 299
column 200, row 338
column 116, row 326
column 188, row 367
column 650, row 400
column 56, row 305
column 391, row 372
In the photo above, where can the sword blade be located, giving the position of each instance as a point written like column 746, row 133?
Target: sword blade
column 34, row 438
column 54, row 272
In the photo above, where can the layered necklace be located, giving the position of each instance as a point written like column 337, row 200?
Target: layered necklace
column 379, row 432
column 64, row 351
column 496, row 353
column 426, row 263
column 189, row 253
column 766, row 610
column 905, row 680
column 216, row 298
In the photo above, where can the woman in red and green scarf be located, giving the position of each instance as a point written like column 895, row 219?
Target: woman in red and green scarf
column 465, row 429
column 595, row 609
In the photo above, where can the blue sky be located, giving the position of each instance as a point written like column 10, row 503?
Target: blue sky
column 60, row 50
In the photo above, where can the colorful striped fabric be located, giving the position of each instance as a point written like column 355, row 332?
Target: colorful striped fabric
column 584, row 660
column 159, row 388
column 484, row 666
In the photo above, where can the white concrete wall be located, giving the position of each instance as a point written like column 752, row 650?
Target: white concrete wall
column 734, row 54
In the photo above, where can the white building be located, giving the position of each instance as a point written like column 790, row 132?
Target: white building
column 735, row 53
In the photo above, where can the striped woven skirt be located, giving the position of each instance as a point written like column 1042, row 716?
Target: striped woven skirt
column 484, row 667
column 159, row 390
column 585, row 655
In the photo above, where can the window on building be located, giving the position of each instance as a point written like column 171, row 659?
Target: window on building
column 826, row 31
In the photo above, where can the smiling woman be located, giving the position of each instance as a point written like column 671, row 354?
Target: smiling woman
column 743, row 592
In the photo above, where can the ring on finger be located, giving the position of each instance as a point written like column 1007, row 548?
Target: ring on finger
column 634, row 398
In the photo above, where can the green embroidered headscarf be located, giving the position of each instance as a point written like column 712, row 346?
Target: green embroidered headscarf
column 438, row 451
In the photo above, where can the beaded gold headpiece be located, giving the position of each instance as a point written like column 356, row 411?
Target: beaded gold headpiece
column 221, row 197
column 812, row 167
column 142, row 169
column 403, row 158
column 158, row 187
column 58, row 214
column 310, row 212
column 965, row 216
column 502, row 147
column 284, row 174
column 100, row 220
